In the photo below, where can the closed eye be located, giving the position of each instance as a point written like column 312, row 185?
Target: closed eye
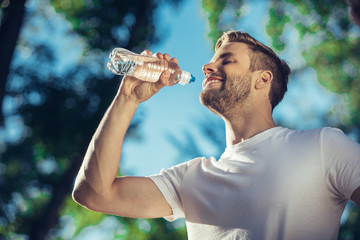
column 227, row 61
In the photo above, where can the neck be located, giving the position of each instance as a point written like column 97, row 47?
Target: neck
column 240, row 128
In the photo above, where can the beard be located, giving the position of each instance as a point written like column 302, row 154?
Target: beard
column 232, row 93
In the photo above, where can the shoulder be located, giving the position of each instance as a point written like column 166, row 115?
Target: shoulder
column 309, row 136
column 182, row 168
column 316, row 133
column 336, row 138
column 338, row 149
column 332, row 132
column 318, row 138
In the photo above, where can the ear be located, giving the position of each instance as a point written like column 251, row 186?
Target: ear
column 264, row 79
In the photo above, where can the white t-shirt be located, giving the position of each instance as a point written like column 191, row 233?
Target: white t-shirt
column 279, row 184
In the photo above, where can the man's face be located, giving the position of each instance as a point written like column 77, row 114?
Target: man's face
column 227, row 80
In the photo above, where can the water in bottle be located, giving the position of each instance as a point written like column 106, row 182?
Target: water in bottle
column 146, row 68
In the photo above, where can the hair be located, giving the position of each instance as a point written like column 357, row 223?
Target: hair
column 263, row 58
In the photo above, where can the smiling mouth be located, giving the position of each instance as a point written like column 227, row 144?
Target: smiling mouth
column 211, row 80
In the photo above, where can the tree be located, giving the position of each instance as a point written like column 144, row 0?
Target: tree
column 58, row 109
column 11, row 20
column 330, row 44
column 327, row 38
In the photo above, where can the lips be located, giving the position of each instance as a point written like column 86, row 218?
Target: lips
column 210, row 80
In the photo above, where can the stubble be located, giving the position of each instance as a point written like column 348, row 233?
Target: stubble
column 230, row 96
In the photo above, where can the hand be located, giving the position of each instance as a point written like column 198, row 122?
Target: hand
column 141, row 91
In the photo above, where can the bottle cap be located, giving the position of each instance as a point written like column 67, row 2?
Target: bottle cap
column 186, row 78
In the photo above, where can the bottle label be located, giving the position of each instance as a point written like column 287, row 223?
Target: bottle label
column 121, row 67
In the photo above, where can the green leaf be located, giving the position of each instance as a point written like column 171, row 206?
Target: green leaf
column 275, row 27
column 82, row 216
column 214, row 8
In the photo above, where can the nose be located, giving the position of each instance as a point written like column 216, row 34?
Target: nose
column 209, row 68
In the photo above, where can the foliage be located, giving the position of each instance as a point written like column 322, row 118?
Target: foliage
column 329, row 42
column 82, row 216
column 128, row 228
column 122, row 22
column 216, row 11
column 276, row 27
column 330, row 46
column 56, row 108
column 189, row 148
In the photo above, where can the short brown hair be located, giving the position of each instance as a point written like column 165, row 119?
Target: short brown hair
column 263, row 58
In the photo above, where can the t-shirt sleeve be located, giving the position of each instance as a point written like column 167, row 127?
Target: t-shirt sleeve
column 169, row 182
column 341, row 159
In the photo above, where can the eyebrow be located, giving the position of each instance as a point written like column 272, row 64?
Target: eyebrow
column 226, row 54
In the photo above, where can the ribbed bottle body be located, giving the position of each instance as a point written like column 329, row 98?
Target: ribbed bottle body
column 146, row 68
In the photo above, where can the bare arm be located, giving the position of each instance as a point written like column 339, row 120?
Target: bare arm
column 96, row 186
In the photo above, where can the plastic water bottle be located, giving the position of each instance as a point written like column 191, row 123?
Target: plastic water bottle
column 146, row 68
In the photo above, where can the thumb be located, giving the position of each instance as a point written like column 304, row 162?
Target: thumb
column 163, row 80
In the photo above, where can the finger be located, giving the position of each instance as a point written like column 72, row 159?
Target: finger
column 146, row 52
column 167, row 57
column 163, row 80
column 174, row 60
column 158, row 55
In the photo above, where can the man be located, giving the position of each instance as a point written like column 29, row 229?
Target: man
column 270, row 183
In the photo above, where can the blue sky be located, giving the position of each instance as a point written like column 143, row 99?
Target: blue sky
column 176, row 108
column 183, row 35
column 173, row 108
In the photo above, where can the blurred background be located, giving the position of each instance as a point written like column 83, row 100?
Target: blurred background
column 55, row 87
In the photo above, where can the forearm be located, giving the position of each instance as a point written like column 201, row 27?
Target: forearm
column 95, row 186
column 101, row 162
